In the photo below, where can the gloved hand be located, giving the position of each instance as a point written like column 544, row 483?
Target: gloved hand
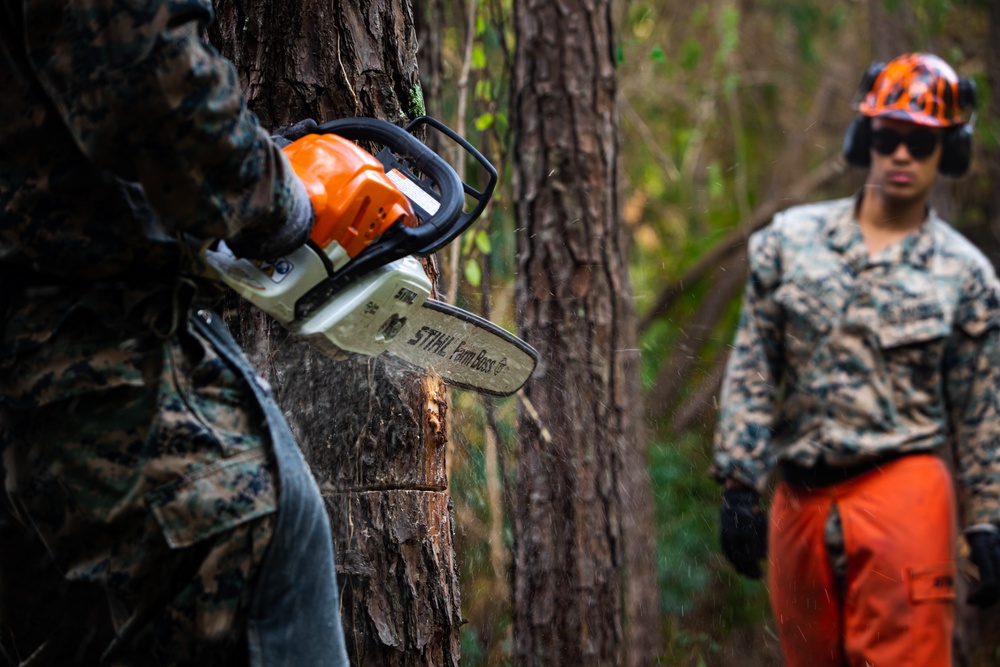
column 274, row 243
column 985, row 546
column 743, row 530
column 286, row 135
column 270, row 244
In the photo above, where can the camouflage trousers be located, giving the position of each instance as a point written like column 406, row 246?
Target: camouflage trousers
column 157, row 510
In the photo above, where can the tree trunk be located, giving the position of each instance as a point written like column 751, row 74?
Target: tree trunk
column 979, row 629
column 892, row 29
column 581, row 458
column 374, row 438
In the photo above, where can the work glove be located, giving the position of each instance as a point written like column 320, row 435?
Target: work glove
column 743, row 530
column 269, row 244
column 985, row 547
column 286, row 135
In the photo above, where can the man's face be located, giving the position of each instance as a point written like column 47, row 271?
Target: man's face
column 895, row 170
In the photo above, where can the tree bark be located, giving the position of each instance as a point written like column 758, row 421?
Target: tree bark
column 373, row 436
column 892, row 31
column 573, row 546
column 978, row 630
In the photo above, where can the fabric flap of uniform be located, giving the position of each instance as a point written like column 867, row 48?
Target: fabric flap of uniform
column 213, row 499
column 912, row 332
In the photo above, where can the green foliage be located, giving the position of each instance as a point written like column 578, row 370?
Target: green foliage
column 702, row 598
column 482, row 241
column 657, row 55
column 473, row 273
column 690, row 53
column 489, row 616
column 484, row 121
column 478, row 57
column 686, row 509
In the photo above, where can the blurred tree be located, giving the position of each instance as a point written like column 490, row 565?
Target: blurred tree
column 581, row 458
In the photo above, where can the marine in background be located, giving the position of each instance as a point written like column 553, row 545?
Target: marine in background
column 867, row 357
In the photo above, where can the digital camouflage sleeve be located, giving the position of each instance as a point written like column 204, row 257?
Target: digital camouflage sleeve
column 126, row 131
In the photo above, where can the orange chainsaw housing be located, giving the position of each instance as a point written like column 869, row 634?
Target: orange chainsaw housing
column 353, row 199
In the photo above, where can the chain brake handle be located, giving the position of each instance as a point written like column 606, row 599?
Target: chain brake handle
column 481, row 198
column 441, row 190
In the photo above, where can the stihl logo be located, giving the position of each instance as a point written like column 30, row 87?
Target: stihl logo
column 431, row 340
column 406, row 295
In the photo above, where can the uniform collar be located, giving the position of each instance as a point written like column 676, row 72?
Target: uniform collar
column 915, row 249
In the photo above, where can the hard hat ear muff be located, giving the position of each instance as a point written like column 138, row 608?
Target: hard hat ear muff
column 966, row 93
column 868, row 80
column 956, row 146
column 857, row 139
column 956, row 150
column 857, row 142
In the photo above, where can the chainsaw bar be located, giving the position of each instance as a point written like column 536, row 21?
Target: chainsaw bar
column 463, row 349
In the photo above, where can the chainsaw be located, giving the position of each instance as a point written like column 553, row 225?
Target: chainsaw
column 356, row 286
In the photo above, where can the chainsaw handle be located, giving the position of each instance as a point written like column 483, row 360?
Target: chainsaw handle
column 440, row 227
column 482, row 198
column 420, row 156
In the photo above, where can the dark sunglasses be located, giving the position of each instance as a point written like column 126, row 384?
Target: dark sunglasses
column 920, row 143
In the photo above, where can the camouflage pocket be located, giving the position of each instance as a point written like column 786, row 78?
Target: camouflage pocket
column 215, row 498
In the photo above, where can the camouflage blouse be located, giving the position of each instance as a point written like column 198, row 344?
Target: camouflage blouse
column 121, row 133
column 846, row 357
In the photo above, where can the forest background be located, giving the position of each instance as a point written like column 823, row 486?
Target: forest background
column 724, row 112
column 730, row 110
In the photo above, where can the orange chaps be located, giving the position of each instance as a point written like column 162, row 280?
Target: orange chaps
column 897, row 607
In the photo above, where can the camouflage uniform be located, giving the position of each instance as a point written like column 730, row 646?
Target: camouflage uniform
column 853, row 373
column 142, row 463
column 843, row 360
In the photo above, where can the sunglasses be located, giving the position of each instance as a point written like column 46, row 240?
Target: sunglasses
column 920, row 143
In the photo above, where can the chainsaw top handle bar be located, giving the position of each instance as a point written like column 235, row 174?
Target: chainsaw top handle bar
column 482, row 197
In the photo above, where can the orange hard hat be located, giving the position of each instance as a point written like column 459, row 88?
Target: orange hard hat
column 916, row 87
